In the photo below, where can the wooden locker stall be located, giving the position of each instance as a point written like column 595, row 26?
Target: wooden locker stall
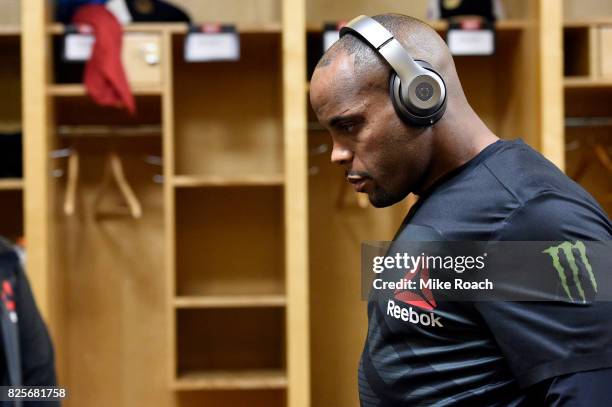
column 506, row 91
column 200, row 300
column 229, row 294
column 587, row 89
column 108, row 275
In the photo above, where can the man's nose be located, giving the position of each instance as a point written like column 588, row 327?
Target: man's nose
column 341, row 155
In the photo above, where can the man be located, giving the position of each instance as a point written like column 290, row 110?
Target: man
column 27, row 356
column 472, row 186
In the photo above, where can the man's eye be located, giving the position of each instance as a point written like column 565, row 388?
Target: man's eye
column 347, row 127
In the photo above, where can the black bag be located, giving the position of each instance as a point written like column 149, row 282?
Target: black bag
column 11, row 155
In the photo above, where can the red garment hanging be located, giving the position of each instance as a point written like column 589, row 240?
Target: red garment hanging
column 104, row 75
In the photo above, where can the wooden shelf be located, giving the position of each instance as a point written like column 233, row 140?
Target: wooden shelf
column 180, row 28
column 243, row 28
column 10, row 31
column 585, row 23
column 586, row 82
column 195, row 181
column 231, row 301
column 63, row 90
column 502, row 25
column 232, row 380
column 58, row 28
column 10, row 127
column 11, row 184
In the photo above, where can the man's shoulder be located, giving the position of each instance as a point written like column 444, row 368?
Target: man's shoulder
column 515, row 184
column 525, row 173
column 552, row 215
column 550, row 205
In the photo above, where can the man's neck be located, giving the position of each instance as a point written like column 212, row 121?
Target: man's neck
column 456, row 141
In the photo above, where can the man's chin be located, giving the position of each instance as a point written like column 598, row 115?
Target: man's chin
column 379, row 205
column 380, row 199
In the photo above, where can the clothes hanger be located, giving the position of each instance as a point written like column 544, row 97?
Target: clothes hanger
column 71, row 184
column 584, row 162
column 113, row 170
column 603, row 157
column 113, row 163
column 586, row 158
column 583, row 165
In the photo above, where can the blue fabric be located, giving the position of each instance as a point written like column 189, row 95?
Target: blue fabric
column 590, row 388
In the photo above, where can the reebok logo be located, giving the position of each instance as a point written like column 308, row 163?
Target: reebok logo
column 410, row 315
column 424, row 299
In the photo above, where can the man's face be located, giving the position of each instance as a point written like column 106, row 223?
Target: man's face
column 381, row 155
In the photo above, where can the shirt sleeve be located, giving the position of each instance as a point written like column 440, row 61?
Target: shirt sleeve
column 37, row 356
column 591, row 388
column 542, row 340
column 552, row 216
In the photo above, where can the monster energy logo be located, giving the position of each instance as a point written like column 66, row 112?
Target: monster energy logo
column 568, row 250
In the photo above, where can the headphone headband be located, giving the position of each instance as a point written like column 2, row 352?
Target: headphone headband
column 375, row 34
column 368, row 28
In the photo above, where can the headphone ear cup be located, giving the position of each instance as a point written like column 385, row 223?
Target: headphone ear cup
column 396, row 98
column 405, row 109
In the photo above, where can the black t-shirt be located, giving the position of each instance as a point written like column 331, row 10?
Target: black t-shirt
column 489, row 353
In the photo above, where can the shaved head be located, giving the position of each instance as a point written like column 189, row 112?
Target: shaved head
column 382, row 155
